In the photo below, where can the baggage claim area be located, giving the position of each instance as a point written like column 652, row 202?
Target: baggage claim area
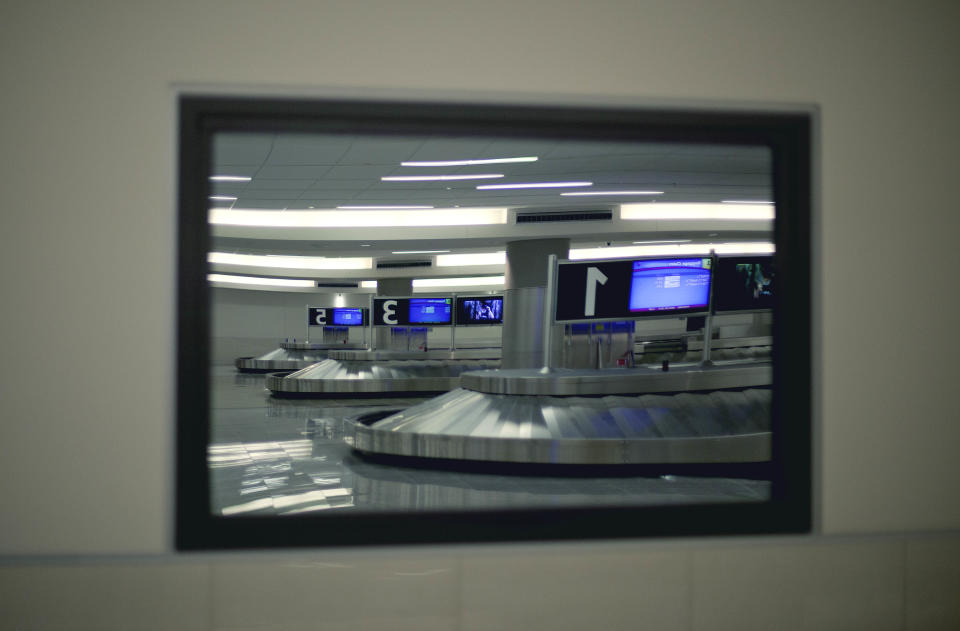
column 405, row 323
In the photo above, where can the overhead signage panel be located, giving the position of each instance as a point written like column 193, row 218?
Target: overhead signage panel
column 410, row 311
column 336, row 316
column 632, row 288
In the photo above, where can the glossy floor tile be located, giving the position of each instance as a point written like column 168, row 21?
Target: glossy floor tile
column 290, row 456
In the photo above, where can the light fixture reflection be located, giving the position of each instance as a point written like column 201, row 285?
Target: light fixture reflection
column 357, row 218
column 486, row 187
column 695, row 249
column 457, row 163
column 477, row 258
column 432, row 284
column 705, row 212
column 439, row 178
column 259, row 280
column 289, row 262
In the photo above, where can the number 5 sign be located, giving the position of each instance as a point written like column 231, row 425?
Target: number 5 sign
column 316, row 316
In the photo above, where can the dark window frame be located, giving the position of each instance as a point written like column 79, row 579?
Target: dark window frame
column 788, row 134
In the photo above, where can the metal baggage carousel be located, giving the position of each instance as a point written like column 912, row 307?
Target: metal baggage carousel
column 290, row 356
column 376, row 375
column 690, row 414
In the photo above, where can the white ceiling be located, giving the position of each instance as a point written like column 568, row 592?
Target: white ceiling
column 293, row 172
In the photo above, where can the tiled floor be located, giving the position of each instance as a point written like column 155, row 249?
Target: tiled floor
column 282, row 456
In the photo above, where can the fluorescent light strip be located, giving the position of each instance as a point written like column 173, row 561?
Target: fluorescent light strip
column 439, row 178
column 368, row 284
column 671, row 250
column 458, row 163
column 470, row 281
column 663, row 241
column 420, row 251
column 230, row 178
column 223, row 198
column 696, row 211
column 384, row 207
column 289, row 262
column 584, row 193
column 739, row 201
column 259, row 280
column 479, row 258
column 485, row 187
column 357, row 218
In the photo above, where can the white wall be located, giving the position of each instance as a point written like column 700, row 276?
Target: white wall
column 87, row 185
column 248, row 323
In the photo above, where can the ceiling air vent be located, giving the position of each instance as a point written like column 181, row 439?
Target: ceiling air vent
column 399, row 264
column 571, row 215
column 321, row 283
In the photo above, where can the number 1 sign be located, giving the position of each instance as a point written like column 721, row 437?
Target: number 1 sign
column 632, row 288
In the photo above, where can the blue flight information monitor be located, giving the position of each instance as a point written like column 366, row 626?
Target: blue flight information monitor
column 430, row 311
column 348, row 317
column 669, row 285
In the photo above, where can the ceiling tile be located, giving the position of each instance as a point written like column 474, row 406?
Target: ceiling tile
column 308, row 149
column 241, row 149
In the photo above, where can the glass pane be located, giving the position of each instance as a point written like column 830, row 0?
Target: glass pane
column 377, row 332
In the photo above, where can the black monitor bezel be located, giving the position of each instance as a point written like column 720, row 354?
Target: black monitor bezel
column 459, row 308
column 789, row 135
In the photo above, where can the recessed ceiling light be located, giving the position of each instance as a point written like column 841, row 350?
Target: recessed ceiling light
column 230, row 178
column 364, row 245
column 671, row 250
column 259, row 280
column 704, row 212
column 223, row 198
column 738, row 201
column 535, row 185
column 368, row 284
column 289, row 262
column 664, row 241
column 472, row 281
column 581, row 193
column 357, row 218
column 457, row 163
column 439, row 178
column 383, row 207
column 420, row 251
column 476, row 258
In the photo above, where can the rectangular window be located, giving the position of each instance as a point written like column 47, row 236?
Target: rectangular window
column 649, row 373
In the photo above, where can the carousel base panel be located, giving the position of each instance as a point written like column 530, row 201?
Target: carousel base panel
column 335, row 378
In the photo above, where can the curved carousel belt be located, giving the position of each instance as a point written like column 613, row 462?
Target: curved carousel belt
column 290, row 356
column 332, row 377
column 719, row 414
column 390, row 355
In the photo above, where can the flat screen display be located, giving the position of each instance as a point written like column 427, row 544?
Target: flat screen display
column 670, row 284
column 744, row 283
column 348, row 317
column 480, row 310
column 430, row 311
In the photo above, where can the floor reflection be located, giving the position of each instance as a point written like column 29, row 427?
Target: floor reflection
column 282, row 457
